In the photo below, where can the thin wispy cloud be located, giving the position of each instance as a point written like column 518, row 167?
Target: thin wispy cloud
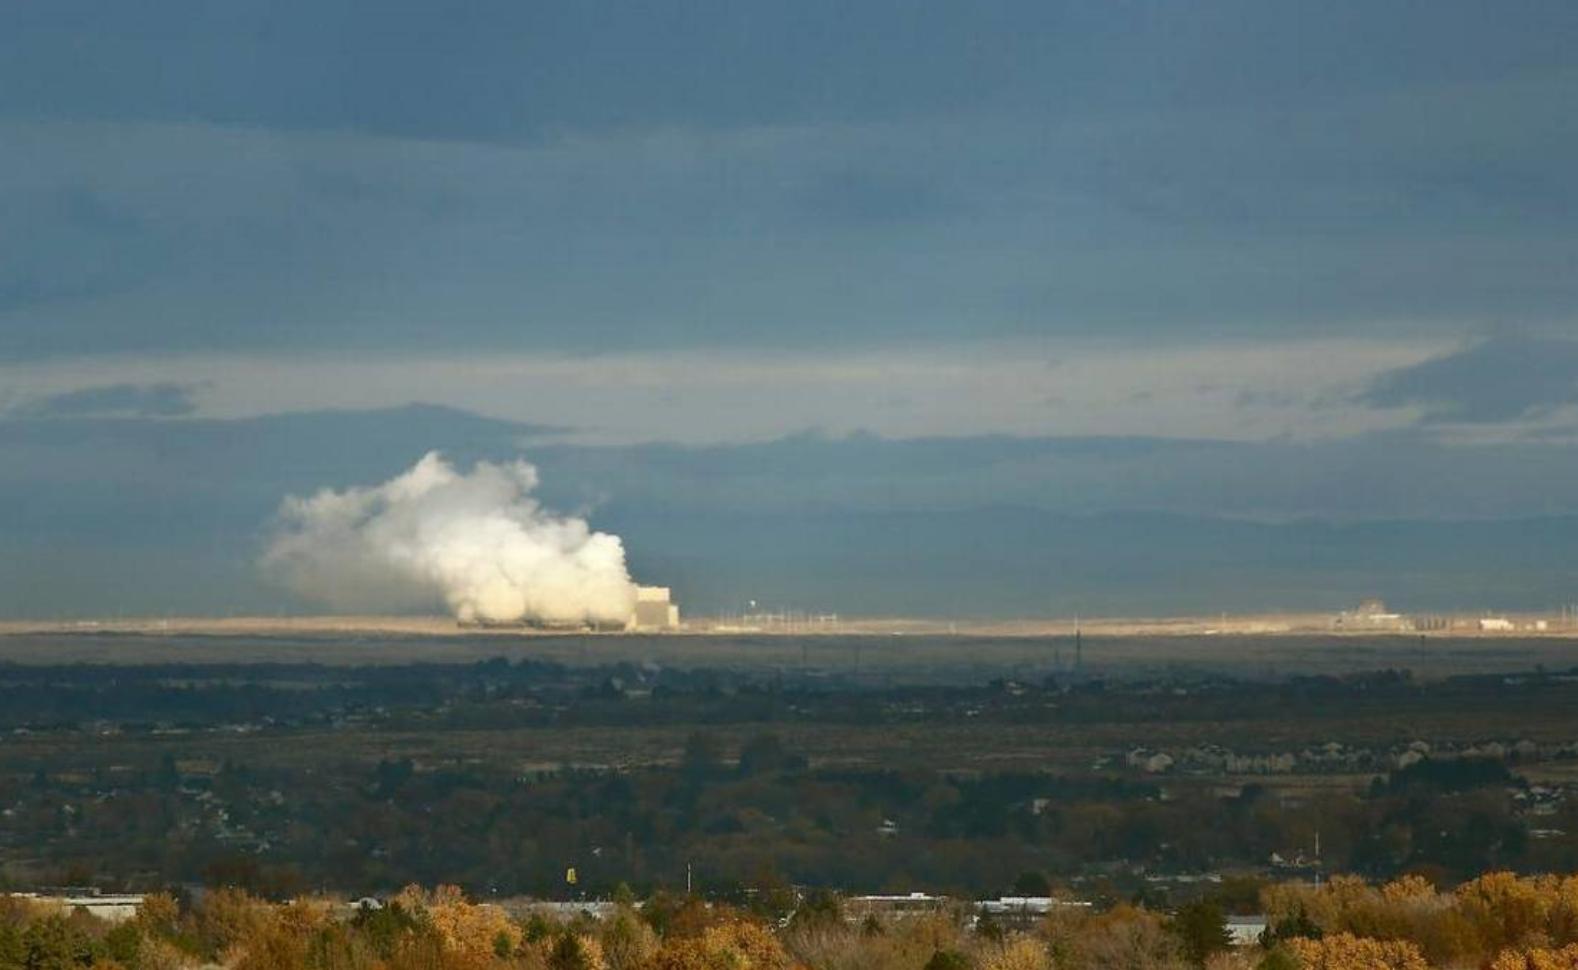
column 1246, row 391
column 161, row 400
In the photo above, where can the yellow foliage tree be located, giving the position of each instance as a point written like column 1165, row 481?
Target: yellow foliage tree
column 744, row 945
column 157, row 954
column 1538, row 958
column 728, row 945
column 281, row 947
column 1508, row 912
column 1019, row 953
column 159, row 914
column 1344, row 951
column 1124, row 938
column 230, row 918
column 1409, row 889
column 476, row 929
column 1564, row 911
column 678, row 954
column 628, row 942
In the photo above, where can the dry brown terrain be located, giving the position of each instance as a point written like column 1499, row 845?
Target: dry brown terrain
column 1259, row 625
column 879, row 651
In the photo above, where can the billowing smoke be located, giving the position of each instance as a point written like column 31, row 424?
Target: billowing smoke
column 478, row 542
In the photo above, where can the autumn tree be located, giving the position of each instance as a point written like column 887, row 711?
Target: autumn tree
column 1019, row 953
column 230, row 918
column 1537, row 958
column 628, row 943
column 1127, row 938
column 475, row 929
column 1344, row 951
column 573, row 951
column 947, row 960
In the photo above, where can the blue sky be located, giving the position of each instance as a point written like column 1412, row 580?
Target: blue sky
column 1232, row 261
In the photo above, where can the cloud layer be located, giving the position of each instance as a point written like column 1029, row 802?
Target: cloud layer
column 1501, row 379
column 1237, row 391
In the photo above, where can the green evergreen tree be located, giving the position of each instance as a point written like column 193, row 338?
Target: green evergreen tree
column 1202, row 929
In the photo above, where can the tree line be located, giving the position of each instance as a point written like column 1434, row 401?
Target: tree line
column 1497, row 921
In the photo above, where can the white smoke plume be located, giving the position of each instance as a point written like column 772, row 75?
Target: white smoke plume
column 478, row 542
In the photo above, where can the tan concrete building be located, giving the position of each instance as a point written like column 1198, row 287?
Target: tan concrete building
column 655, row 609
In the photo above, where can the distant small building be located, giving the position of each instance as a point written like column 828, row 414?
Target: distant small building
column 1496, row 624
column 655, row 609
column 1023, row 912
column 893, row 907
column 1150, row 762
column 1245, row 930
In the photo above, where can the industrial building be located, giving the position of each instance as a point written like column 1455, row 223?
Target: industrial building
column 1372, row 616
column 655, row 610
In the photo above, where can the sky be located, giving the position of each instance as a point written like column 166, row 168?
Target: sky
column 918, row 280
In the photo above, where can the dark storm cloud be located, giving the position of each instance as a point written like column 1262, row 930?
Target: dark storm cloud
column 1502, row 378
column 397, row 176
column 118, row 400
column 247, row 241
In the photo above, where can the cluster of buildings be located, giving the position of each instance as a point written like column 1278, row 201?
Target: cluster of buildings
column 1012, row 911
column 1373, row 616
column 1335, row 758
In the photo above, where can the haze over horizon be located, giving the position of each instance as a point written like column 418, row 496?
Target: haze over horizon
column 1012, row 308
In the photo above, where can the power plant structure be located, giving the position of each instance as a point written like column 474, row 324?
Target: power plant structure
column 655, row 610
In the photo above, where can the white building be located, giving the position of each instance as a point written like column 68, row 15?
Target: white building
column 1028, row 905
column 893, row 906
column 110, row 908
column 1245, row 930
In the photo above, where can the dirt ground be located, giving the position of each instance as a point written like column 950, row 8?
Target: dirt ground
column 878, row 651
